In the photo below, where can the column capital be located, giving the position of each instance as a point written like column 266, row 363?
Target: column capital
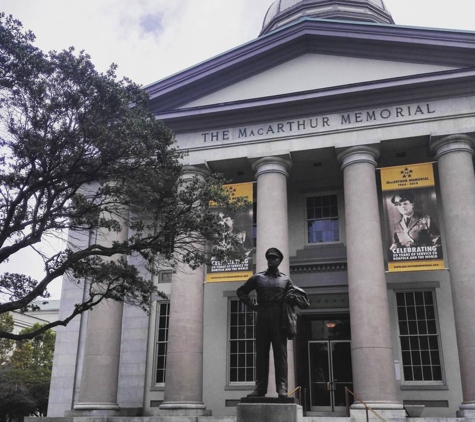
column 272, row 165
column 442, row 145
column 192, row 171
column 359, row 154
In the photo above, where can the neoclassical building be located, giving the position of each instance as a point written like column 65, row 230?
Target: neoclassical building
column 337, row 120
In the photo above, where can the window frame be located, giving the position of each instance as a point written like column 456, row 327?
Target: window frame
column 165, row 276
column 229, row 341
column 409, row 383
column 159, row 305
column 340, row 208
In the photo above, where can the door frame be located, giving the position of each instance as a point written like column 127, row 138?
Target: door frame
column 301, row 349
column 331, row 376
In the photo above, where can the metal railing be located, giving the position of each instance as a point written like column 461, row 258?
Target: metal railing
column 302, row 397
column 347, row 401
column 294, row 390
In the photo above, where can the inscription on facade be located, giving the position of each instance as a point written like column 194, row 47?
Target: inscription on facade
column 320, row 123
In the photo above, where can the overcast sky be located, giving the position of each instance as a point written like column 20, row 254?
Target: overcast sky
column 152, row 39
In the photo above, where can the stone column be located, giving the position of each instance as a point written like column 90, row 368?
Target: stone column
column 371, row 349
column 100, row 372
column 273, row 231
column 272, row 216
column 184, row 376
column 457, row 185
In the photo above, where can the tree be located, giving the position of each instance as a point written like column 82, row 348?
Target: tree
column 81, row 152
column 25, row 376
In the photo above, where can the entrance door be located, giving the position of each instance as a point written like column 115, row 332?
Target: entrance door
column 330, row 373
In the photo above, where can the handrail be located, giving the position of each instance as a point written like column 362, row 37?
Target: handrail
column 302, row 397
column 294, row 390
column 347, row 390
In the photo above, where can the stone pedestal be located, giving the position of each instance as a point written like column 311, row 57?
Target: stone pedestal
column 268, row 400
column 269, row 410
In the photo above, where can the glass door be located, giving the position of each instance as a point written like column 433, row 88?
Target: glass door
column 330, row 373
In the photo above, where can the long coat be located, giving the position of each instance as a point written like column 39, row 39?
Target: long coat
column 295, row 296
column 419, row 231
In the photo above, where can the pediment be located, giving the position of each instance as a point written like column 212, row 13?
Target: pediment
column 316, row 58
column 311, row 72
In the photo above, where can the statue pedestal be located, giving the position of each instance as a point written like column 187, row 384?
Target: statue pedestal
column 262, row 409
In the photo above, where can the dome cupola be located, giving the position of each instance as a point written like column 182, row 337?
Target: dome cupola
column 284, row 12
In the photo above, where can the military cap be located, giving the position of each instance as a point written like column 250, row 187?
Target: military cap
column 403, row 196
column 274, row 252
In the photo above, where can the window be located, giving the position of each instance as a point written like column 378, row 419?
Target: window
column 419, row 336
column 241, row 343
column 165, row 277
column 163, row 314
column 322, row 219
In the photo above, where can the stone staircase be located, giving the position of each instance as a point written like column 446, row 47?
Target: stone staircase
column 230, row 419
column 252, row 414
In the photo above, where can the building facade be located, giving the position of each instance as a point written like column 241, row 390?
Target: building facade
column 47, row 312
column 337, row 117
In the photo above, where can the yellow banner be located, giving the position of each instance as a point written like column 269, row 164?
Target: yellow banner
column 241, row 190
column 238, row 190
column 412, row 237
column 395, row 267
column 241, row 225
column 221, row 277
column 407, row 177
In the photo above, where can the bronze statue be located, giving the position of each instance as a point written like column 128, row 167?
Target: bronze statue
column 276, row 320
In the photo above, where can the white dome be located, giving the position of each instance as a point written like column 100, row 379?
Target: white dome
column 283, row 12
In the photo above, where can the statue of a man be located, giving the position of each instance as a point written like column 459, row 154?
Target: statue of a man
column 276, row 297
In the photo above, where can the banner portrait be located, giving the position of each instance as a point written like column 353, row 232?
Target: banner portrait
column 241, row 225
column 413, row 241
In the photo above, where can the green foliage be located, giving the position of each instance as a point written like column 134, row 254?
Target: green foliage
column 81, row 152
column 25, row 376
column 6, row 345
column 19, row 59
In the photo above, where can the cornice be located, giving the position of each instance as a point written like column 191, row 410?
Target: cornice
column 382, row 93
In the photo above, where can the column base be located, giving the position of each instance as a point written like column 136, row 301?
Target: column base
column 182, row 406
column 170, row 410
column 96, row 409
column 385, row 410
column 467, row 410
